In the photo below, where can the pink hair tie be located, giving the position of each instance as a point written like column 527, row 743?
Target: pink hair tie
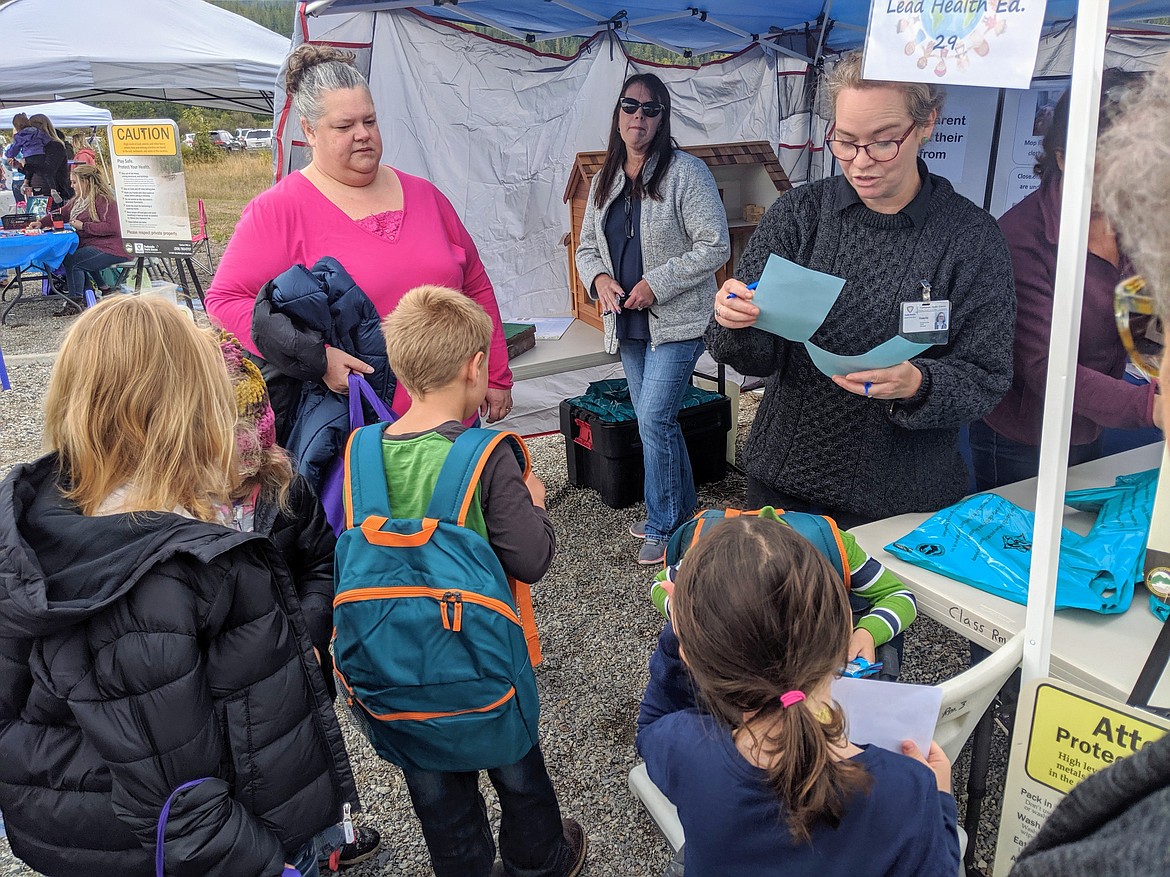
column 789, row 698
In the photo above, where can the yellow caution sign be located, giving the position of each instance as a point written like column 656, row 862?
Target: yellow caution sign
column 139, row 138
column 1072, row 738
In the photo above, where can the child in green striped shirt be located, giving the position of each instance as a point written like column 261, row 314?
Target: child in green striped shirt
column 883, row 607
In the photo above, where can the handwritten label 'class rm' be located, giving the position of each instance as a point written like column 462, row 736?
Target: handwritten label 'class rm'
column 976, row 625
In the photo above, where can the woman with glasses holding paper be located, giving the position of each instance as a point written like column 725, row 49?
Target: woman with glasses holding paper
column 654, row 234
column 1005, row 445
column 870, row 443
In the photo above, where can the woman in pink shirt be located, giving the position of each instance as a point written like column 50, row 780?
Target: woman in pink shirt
column 390, row 230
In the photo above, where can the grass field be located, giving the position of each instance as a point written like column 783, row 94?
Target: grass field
column 226, row 186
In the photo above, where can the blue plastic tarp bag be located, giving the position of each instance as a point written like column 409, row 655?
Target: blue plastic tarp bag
column 986, row 542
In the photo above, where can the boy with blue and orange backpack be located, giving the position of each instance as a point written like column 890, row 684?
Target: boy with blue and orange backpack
column 430, row 647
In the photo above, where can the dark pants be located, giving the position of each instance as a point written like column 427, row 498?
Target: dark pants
column 999, row 460
column 760, row 494
column 455, row 821
column 86, row 259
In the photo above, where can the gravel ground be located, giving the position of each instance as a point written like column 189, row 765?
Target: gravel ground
column 598, row 631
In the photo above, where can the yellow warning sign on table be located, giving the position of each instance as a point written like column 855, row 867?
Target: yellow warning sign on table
column 1073, row 737
column 144, row 138
column 1062, row 735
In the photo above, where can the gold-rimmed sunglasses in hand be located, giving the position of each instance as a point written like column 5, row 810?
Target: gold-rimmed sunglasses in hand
column 1138, row 325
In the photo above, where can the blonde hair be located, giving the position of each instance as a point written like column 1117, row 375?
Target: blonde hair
column 91, row 185
column 432, row 334
column 45, row 124
column 1133, row 181
column 140, row 399
column 922, row 100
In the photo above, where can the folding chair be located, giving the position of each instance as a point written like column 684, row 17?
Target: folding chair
column 200, row 241
column 966, row 698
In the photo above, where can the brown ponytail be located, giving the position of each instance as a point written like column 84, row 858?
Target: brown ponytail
column 759, row 612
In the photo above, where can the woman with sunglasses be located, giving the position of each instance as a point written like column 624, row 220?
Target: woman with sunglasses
column 654, row 234
column 1005, row 445
column 883, row 441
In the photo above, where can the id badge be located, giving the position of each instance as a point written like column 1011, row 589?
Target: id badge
column 926, row 321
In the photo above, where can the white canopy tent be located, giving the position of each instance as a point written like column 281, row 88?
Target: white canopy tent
column 496, row 127
column 63, row 114
column 173, row 50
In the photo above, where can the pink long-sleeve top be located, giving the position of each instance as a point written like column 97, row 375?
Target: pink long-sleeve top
column 293, row 223
column 1102, row 398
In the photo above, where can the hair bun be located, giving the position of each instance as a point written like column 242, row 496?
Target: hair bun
column 306, row 57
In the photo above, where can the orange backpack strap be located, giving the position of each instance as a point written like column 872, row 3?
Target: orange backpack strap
column 522, row 594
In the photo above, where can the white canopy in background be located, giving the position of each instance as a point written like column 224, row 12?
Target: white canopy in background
column 63, row 114
column 174, row 50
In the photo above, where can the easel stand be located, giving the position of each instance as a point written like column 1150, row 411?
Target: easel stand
column 184, row 266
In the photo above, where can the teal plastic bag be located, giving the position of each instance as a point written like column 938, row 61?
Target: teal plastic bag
column 610, row 400
column 986, row 542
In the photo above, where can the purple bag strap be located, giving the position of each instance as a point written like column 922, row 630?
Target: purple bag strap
column 160, row 836
column 360, row 389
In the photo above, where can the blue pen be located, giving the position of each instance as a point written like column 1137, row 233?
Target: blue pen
column 731, row 295
column 868, row 384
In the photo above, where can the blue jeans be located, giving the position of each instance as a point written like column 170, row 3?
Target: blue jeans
column 455, row 821
column 320, row 847
column 999, row 460
column 86, row 259
column 658, row 378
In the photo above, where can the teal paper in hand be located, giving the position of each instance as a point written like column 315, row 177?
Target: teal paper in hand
column 886, row 354
column 794, row 300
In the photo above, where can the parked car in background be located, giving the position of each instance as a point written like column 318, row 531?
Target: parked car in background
column 259, row 138
column 242, row 134
column 189, row 139
column 225, row 140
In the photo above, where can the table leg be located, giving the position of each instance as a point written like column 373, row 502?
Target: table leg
column 977, row 785
column 17, row 281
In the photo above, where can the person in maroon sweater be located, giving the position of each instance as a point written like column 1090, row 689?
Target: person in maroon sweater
column 1005, row 445
column 93, row 213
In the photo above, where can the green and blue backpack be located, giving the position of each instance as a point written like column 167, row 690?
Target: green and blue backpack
column 428, row 643
column 821, row 531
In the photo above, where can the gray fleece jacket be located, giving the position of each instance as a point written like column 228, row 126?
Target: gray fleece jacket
column 684, row 242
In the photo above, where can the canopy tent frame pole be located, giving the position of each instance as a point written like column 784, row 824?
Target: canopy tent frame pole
column 1076, row 202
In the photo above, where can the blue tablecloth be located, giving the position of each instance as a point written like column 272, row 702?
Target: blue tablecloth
column 47, row 249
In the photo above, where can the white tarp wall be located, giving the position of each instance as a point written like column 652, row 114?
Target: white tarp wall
column 496, row 127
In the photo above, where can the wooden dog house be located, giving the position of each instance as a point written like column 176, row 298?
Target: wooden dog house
column 746, row 173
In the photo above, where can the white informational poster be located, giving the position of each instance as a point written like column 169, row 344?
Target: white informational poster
column 147, row 167
column 962, row 140
column 1062, row 736
column 954, row 42
column 1026, row 116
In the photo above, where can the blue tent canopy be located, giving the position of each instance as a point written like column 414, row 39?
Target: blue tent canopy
column 715, row 25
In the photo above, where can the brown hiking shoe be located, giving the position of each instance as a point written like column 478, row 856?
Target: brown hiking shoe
column 578, row 843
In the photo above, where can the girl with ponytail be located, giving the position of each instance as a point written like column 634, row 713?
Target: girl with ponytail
column 738, row 728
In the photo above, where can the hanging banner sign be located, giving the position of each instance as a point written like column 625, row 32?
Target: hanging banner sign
column 1062, row 736
column 147, row 167
column 953, row 42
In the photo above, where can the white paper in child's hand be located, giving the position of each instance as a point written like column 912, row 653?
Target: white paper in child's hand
column 886, row 713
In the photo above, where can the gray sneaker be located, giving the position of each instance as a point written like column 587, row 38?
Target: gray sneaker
column 638, row 529
column 653, row 551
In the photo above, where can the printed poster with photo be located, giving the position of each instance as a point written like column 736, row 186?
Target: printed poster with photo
column 953, row 42
column 147, row 167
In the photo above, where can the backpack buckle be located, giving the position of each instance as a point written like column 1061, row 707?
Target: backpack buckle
column 451, row 609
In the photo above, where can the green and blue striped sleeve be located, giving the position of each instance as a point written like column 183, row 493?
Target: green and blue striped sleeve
column 892, row 605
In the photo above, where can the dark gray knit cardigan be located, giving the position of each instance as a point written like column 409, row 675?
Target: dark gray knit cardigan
column 818, row 442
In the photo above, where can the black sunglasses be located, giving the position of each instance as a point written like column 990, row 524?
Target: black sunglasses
column 650, row 109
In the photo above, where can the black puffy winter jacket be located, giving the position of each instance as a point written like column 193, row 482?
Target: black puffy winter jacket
column 138, row 653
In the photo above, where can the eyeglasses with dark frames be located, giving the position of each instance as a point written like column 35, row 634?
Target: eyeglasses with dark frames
column 878, row 150
column 650, row 108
